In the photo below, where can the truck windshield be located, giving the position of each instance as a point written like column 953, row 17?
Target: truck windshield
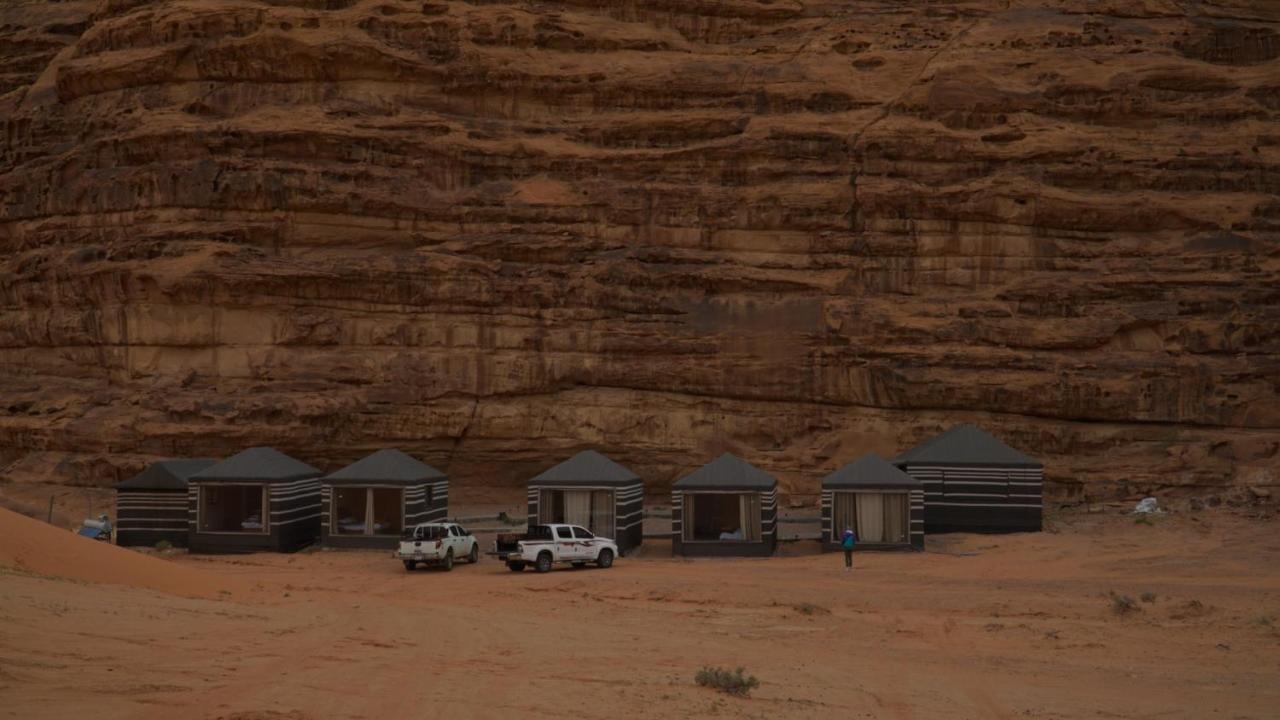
column 539, row 532
column 429, row 532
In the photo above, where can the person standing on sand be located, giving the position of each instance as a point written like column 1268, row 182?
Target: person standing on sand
column 847, row 541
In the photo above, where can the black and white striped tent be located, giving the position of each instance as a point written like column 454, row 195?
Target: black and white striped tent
column 973, row 482
column 372, row 501
column 259, row 499
column 594, row 492
column 724, row 508
column 152, row 505
column 883, row 506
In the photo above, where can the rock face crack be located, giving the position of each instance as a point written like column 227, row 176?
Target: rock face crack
column 801, row 232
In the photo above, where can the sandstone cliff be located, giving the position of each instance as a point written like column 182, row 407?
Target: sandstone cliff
column 494, row 233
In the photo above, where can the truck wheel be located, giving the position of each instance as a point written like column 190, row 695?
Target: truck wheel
column 410, row 565
column 544, row 562
column 515, row 566
column 605, row 558
column 447, row 563
column 474, row 557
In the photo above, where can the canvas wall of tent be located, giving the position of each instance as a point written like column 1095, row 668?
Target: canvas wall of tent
column 372, row 501
column 973, row 482
column 727, row 507
column 594, row 492
column 259, row 499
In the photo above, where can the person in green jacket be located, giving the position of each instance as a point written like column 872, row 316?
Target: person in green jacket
column 847, row 541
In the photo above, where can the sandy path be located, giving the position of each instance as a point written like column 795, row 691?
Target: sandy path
column 1022, row 628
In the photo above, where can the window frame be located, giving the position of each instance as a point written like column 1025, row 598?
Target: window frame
column 368, row 518
column 686, row 518
column 203, row 506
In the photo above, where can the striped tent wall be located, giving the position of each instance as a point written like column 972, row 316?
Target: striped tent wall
column 145, row 517
column 628, row 510
column 768, row 527
column 915, row 515
column 769, row 517
column 428, row 502
column 294, row 509
column 980, row 499
column 629, row 518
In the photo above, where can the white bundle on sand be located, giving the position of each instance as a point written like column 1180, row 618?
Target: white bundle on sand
column 1147, row 505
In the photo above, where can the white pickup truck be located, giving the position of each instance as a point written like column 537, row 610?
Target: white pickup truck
column 437, row 544
column 545, row 545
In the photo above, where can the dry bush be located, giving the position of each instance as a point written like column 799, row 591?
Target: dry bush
column 1147, row 597
column 810, row 609
column 1122, row 604
column 731, row 682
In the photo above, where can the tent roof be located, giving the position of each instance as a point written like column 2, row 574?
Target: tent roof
column 166, row 474
column 586, row 468
column 966, row 445
column 869, row 471
column 260, row 464
column 727, row 472
column 389, row 465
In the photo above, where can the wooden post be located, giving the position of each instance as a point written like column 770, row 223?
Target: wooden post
column 50, row 520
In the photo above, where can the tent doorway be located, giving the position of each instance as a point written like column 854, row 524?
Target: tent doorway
column 877, row 518
column 233, row 509
column 367, row 511
column 722, row 517
column 591, row 509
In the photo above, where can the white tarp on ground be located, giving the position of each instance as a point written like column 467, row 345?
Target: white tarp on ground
column 1147, row 505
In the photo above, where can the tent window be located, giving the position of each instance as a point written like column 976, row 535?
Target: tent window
column 367, row 511
column 876, row 517
column 722, row 517
column 233, row 508
column 591, row 509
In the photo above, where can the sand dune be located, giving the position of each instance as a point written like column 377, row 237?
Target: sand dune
column 35, row 547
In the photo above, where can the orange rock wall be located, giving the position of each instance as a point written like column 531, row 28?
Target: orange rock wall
column 493, row 233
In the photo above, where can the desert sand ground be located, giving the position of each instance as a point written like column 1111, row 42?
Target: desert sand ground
column 978, row 627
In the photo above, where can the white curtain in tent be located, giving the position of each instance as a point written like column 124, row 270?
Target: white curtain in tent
column 870, row 517
column 602, row 513
column 577, row 507
column 844, row 515
column 749, row 517
column 895, row 517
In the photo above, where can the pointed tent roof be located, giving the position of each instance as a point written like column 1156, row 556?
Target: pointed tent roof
column 965, row 445
column 727, row 472
column 166, row 474
column 870, row 471
column 385, row 466
column 259, row 464
column 586, row 468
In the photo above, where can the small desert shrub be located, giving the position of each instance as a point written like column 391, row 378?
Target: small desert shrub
column 1143, row 520
column 810, row 609
column 1147, row 597
column 732, row 682
column 1122, row 604
column 164, row 545
column 1264, row 621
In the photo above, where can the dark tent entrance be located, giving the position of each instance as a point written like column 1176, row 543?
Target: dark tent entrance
column 722, row 517
column 591, row 508
column 234, row 508
column 367, row 511
column 876, row 517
